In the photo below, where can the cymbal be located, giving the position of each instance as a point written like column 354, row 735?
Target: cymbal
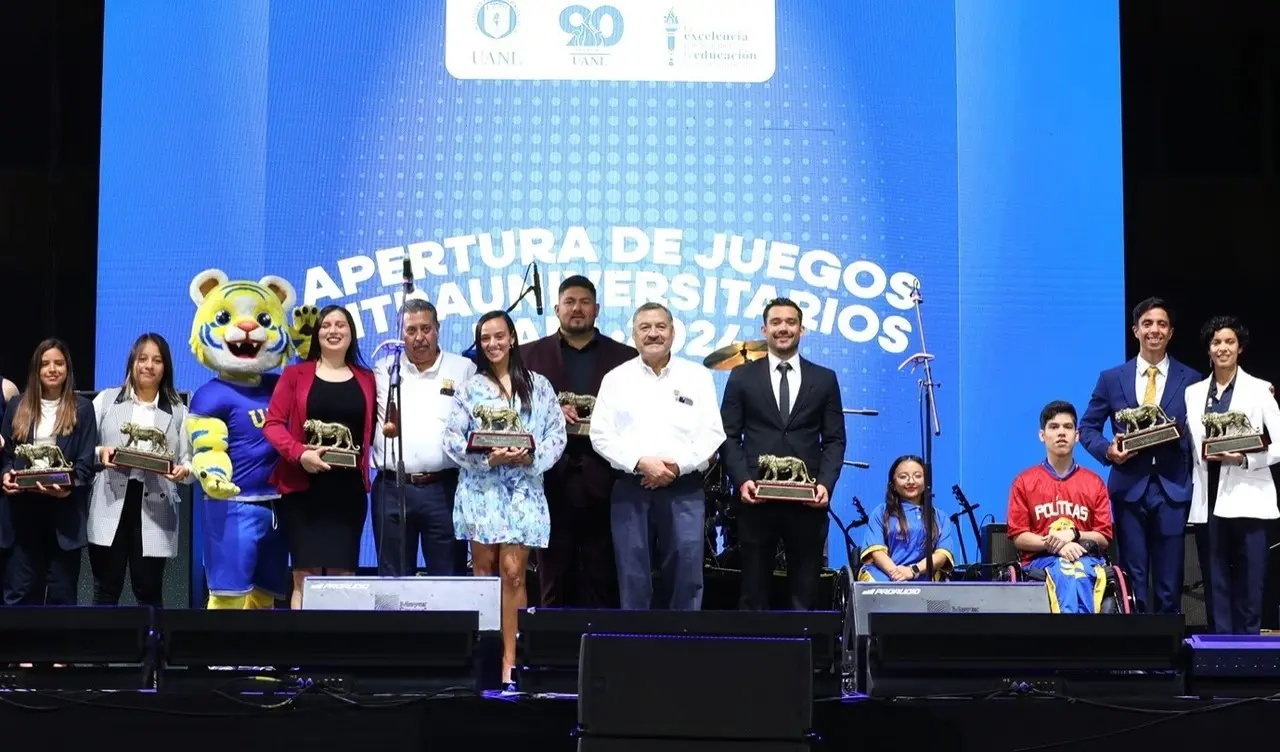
column 735, row 354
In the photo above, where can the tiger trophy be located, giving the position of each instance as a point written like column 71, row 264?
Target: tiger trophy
column 487, row 436
column 1230, row 432
column 799, row 485
column 1143, row 427
column 343, row 452
column 582, row 404
column 46, row 466
column 158, row 459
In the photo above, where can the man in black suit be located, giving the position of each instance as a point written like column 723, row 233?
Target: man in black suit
column 786, row 406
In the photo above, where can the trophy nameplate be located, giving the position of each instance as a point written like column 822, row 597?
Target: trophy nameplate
column 344, row 452
column 1144, row 427
column 488, row 436
column 156, row 460
column 53, row 470
column 1230, row 432
column 799, row 485
column 584, row 404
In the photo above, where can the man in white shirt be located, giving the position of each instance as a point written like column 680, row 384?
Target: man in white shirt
column 657, row 419
column 428, row 379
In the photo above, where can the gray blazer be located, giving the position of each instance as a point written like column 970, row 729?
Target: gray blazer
column 113, row 408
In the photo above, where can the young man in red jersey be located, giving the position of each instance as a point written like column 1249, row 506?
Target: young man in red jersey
column 1060, row 517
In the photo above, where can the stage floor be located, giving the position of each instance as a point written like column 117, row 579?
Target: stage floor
column 224, row 721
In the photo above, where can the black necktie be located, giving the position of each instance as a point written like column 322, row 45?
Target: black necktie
column 784, row 393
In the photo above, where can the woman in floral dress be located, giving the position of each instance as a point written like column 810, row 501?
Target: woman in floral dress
column 500, row 506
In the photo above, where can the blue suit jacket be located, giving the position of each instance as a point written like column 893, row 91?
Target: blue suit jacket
column 1115, row 391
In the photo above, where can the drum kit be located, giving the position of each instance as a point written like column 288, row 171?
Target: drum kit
column 722, row 547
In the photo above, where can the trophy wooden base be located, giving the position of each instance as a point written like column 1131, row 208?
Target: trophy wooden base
column 484, row 441
column 344, row 458
column 1149, row 437
column 29, row 479
column 139, row 460
column 781, row 490
column 578, row 429
column 1243, row 444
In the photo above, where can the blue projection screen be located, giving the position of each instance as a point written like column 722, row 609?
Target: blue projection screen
column 710, row 154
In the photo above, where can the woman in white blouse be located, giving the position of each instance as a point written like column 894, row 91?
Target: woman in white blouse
column 44, row 527
column 133, row 514
column 1233, row 493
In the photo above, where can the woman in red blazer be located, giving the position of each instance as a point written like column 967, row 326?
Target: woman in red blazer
column 323, row 521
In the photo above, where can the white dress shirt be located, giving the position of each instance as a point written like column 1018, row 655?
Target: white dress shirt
column 675, row 413
column 425, row 400
column 144, row 414
column 793, row 378
column 1140, row 380
column 48, row 419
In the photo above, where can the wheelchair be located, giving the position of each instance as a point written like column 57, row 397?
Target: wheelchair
column 1117, row 596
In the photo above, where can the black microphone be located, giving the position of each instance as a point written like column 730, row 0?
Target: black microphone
column 537, row 290
column 857, row 464
column 407, row 277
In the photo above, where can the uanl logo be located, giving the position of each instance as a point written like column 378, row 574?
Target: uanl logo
column 591, row 32
column 497, row 20
column 892, row 591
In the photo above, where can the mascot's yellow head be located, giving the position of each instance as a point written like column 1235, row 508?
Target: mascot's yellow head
column 242, row 327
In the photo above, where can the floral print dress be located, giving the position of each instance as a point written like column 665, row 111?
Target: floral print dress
column 504, row 504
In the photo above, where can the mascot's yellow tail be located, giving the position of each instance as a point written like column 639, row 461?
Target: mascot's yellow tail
column 255, row 600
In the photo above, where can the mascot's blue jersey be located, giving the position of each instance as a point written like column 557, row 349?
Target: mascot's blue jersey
column 243, row 408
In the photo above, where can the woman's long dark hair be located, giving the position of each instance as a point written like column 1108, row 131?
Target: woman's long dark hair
column 28, row 410
column 521, row 380
column 893, row 502
column 166, row 395
column 353, row 357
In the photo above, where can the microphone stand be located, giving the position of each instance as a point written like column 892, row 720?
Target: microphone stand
column 391, row 414
column 470, row 352
column 929, row 428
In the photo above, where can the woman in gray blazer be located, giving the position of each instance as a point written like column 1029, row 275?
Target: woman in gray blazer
column 133, row 514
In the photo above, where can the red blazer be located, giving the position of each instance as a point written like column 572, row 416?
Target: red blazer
column 288, row 411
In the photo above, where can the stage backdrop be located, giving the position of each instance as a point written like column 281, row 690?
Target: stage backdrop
column 710, row 154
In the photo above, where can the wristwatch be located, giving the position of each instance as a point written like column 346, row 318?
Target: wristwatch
column 1076, row 531
column 916, row 569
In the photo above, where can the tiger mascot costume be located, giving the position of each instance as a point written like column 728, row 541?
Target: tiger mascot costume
column 241, row 333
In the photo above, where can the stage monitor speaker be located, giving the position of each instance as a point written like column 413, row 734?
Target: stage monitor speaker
column 345, row 651
column 928, row 598
column 692, row 687
column 996, row 546
column 480, row 594
column 99, row 647
column 1112, row 654
column 550, row 640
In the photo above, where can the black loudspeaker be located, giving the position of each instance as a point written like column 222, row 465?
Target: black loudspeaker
column 550, row 639
column 690, row 687
column 1111, row 655
column 996, row 546
column 101, row 648
column 341, row 651
column 1193, row 584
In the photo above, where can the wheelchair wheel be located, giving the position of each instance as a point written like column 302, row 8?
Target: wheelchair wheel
column 842, row 590
column 1123, row 597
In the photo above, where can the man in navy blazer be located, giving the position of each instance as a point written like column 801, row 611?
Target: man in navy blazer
column 1150, row 488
